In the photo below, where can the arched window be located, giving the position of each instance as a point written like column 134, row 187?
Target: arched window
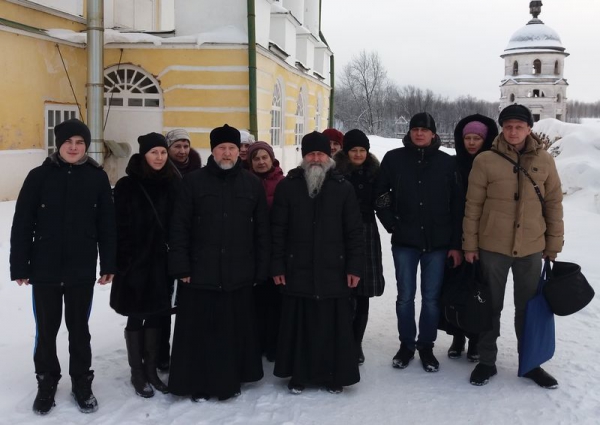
column 515, row 68
column 558, row 97
column 130, row 86
column 299, row 128
column 276, row 115
column 512, row 98
column 537, row 67
column 536, row 93
column 556, row 68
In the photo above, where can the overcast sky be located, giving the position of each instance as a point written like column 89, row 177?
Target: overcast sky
column 453, row 46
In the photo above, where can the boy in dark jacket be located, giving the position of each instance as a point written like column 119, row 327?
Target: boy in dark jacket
column 63, row 217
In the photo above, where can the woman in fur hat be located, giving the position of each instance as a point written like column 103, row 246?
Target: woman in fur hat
column 360, row 167
column 141, row 289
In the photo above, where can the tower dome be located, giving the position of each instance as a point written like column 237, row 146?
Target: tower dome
column 534, row 36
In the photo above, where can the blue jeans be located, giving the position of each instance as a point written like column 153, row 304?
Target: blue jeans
column 406, row 261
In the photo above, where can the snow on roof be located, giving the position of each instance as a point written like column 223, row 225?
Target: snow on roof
column 227, row 34
column 535, row 35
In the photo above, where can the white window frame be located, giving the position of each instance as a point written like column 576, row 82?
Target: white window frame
column 276, row 115
column 300, row 119
column 55, row 114
column 128, row 86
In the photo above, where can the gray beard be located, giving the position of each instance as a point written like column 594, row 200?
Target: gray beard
column 225, row 165
column 315, row 174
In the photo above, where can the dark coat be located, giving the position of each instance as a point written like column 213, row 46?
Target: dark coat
column 316, row 241
column 141, row 285
column 63, row 217
column 194, row 163
column 270, row 180
column 464, row 159
column 220, row 229
column 419, row 198
column 363, row 179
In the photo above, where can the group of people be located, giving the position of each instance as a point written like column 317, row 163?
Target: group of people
column 254, row 263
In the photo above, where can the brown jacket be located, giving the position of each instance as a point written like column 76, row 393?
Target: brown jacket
column 503, row 213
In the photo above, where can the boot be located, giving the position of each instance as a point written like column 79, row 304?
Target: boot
column 81, row 391
column 135, row 341
column 457, row 346
column 359, row 326
column 44, row 400
column 473, row 352
column 151, row 351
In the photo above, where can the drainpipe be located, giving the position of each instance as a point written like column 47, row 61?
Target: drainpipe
column 95, row 80
column 331, row 70
column 252, row 68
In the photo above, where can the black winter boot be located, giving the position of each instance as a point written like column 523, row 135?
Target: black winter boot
column 359, row 326
column 135, row 343
column 151, row 352
column 457, row 346
column 44, row 400
column 81, row 391
column 542, row 378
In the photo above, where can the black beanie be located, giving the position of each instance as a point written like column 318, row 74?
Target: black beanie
column 516, row 112
column 224, row 134
column 356, row 138
column 315, row 141
column 151, row 140
column 423, row 120
column 70, row 128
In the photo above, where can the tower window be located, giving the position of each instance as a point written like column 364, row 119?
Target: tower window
column 512, row 98
column 516, row 68
column 536, row 93
column 558, row 97
column 537, row 67
column 556, row 68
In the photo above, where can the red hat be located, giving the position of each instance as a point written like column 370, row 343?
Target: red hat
column 334, row 135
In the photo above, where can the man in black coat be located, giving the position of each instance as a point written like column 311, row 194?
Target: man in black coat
column 63, row 217
column 318, row 255
column 220, row 247
column 420, row 203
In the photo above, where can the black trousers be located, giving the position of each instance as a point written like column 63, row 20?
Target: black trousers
column 47, row 309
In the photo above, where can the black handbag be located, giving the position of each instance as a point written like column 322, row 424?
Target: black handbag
column 466, row 300
column 567, row 289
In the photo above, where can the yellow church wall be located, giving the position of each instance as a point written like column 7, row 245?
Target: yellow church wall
column 31, row 79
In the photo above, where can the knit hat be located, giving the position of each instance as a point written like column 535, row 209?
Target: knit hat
column 334, row 135
column 256, row 146
column 176, row 135
column 423, row 120
column 225, row 134
column 151, row 140
column 475, row 127
column 356, row 138
column 70, row 128
column 246, row 138
column 315, row 141
column 516, row 112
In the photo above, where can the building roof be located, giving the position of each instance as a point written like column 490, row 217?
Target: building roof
column 535, row 36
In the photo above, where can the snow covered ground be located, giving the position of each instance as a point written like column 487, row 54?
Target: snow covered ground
column 384, row 395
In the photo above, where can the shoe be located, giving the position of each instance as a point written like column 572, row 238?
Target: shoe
column 44, row 400
column 134, row 341
column 295, row 388
column 428, row 360
column 472, row 351
column 199, row 397
column 403, row 357
column 542, row 378
column 457, row 347
column 335, row 389
column 482, row 373
column 81, row 390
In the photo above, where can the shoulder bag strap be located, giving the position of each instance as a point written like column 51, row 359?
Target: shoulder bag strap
column 155, row 212
column 524, row 171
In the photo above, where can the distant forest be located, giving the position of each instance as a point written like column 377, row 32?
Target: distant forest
column 365, row 98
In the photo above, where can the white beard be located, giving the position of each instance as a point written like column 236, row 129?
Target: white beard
column 314, row 174
column 225, row 165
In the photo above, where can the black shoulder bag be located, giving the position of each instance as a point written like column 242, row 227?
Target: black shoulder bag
column 518, row 167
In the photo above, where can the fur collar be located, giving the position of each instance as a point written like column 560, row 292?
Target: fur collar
column 345, row 167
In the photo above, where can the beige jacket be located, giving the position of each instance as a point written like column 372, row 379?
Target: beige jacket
column 503, row 213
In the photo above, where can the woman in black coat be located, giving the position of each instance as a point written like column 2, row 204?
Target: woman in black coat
column 142, row 288
column 360, row 167
column 473, row 134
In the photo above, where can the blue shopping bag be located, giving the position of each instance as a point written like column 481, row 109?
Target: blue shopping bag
column 538, row 339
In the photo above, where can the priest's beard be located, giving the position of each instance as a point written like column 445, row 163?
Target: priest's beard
column 314, row 174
